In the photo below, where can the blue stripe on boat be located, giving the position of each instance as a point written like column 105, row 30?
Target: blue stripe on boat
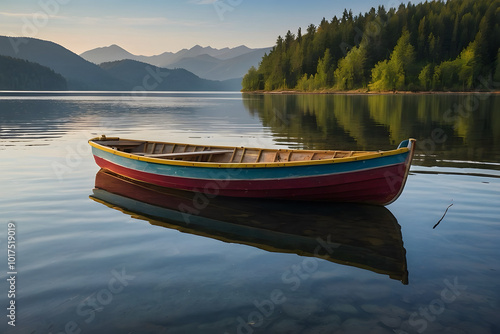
column 250, row 173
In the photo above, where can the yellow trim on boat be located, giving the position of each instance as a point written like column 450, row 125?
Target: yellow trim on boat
column 242, row 165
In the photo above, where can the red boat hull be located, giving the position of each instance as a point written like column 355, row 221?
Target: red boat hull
column 376, row 186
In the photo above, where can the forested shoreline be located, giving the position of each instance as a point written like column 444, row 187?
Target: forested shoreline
column 431, row 46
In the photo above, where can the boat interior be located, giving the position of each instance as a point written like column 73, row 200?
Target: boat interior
column 221, row 154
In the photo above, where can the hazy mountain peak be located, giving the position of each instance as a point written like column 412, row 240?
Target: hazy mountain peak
column 112, row 47
column 106, row 53
column 115, row 47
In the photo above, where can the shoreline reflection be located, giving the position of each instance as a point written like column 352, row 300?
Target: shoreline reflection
column 449, row 128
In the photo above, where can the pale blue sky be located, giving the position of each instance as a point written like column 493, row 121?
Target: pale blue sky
column 150, row 27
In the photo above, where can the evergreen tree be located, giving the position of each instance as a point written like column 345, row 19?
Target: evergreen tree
column 467, row 66
column 459, row 73
column 392, row 74
column 306, row 83
column 323, row 77
column 350, row 71
column 252, row 80
column 385, row 77
column 425, row 77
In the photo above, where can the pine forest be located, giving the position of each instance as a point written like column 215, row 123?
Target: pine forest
column 449, row 45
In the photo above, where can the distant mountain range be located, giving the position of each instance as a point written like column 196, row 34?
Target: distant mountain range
column 206, row 62
column 127, row 73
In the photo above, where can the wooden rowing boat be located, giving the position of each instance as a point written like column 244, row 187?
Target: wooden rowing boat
column 375, row 177
column 363, row 236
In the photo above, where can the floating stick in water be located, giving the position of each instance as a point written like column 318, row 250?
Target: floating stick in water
column 443, row 216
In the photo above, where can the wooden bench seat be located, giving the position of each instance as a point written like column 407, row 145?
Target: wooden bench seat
column 184, row 154
column 118, row 143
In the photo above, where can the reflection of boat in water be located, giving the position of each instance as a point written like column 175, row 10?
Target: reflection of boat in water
column 363, row 236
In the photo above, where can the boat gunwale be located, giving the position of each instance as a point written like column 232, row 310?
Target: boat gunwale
column 163, row 161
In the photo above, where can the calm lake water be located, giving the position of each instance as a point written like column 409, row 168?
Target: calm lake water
column 96, row 254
